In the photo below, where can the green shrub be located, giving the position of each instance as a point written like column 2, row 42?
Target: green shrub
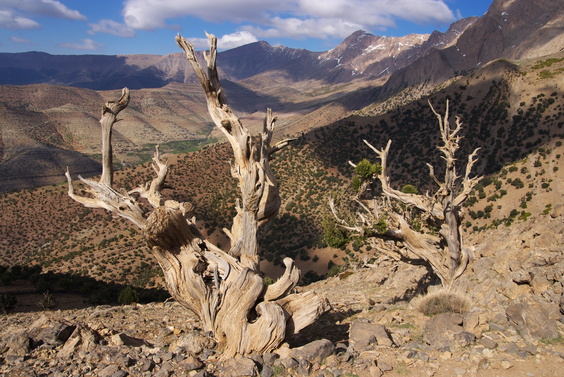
column 334, row 236
column 518, row 183
column 128, row 296
column 409, row 189
column 356, row 183
column 365, row 169
column 333, row 269
column 7, row 302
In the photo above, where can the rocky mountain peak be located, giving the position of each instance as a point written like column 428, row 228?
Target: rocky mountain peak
column 361, row 50
column 366, row 46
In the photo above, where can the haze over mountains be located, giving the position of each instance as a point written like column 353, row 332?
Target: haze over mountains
column 51, row 122
column 360, row 56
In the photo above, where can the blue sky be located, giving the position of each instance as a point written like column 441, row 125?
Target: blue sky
column 113, row 27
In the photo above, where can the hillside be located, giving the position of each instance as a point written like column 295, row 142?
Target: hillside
column 373, row 327
column 512, row 111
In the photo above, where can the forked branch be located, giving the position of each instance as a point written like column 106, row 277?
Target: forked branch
column 260, row 199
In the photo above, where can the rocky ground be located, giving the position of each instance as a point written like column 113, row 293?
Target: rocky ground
column 512, row 326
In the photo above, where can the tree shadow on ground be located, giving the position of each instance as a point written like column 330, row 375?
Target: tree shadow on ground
column 327, row 326
column 29, row 286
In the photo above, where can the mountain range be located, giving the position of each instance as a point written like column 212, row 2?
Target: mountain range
column 515, row 29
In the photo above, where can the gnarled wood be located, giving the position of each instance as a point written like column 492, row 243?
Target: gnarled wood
column 445, row 252
column 224, row 289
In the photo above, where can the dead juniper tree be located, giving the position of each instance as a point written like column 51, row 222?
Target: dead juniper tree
column 420, row 226
column 223, row 288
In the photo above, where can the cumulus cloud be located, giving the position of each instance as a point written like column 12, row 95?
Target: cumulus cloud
column 87, row 44
column 296, row 28
column 10, row 21
column 225, row 42
column 18, row 14
column 51, row 8
column 152, row 14
column 290, row 19
column 111, row 27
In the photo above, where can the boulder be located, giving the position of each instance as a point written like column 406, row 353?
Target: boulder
column 191, row 363
column 315, row 351
column 192, row 342
column 122, row 339
column 54, row 334
column 442, row 331
column 238, row 367
column 362, row 334
column 82, row 339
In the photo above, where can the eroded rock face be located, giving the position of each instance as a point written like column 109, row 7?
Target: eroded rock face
column 83, row 339
column 534, row 317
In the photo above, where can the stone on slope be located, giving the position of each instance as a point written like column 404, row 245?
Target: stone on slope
column 533, row 318
column 362, row 334
column 442, row 330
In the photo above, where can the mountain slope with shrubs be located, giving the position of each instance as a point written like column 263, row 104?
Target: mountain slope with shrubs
column 512, row 110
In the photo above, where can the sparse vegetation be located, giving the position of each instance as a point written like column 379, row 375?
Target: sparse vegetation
column 128, row 296
column 442, row 301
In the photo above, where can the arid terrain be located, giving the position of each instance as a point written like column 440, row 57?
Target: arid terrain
column 83, row 295
column 372, row 329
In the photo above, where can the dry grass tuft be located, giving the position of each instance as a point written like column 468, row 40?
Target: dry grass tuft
column 442, row 301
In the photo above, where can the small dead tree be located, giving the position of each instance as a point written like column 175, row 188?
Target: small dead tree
column 223, row 288
column 390, row 217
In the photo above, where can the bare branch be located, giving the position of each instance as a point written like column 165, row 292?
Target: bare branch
column 105, row 197
column 110, row 112
column 419, row 201
column 285, row 284
column 152, row 190
column 468, row 183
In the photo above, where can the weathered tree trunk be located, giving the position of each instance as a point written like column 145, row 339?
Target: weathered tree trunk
column 445, row 252
column 224, row 289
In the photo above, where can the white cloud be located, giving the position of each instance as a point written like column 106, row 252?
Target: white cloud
column 51, row 8
column 21, row 40
column 152, row 14
column 111, row 27
column 18, row 14
column 87, row 44
column 10, row 21
column 225, row 42
column 311, row 28
column 293, row 19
